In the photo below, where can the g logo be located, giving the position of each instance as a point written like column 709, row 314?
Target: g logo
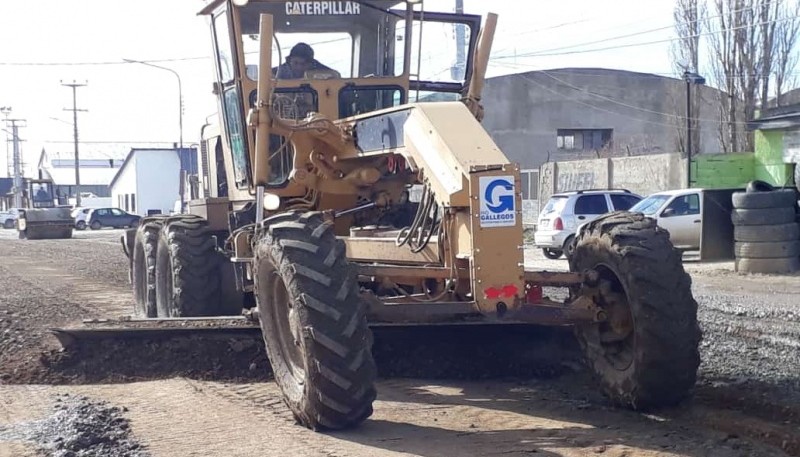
column 505, row 201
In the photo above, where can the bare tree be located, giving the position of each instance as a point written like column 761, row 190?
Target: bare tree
column 725, row 65
column 689, row 16
column 786, row 53
column 747, row 30
column 768, row 14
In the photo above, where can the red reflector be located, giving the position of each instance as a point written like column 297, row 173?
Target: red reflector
column 558, row 224
column 507, row 291
column 533, row 294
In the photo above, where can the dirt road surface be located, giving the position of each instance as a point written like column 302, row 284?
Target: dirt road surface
column 452, row 392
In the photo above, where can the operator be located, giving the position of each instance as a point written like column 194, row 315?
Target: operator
column 42, row 195
column 300, row 60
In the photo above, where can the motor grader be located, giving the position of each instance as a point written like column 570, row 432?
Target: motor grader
column 366, row 192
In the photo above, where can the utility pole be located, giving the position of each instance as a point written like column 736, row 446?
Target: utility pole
column 17, row 161
column 461, row 41
column 6, row 110
column 75, row 110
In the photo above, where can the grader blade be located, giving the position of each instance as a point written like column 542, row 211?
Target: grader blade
column 156, row 328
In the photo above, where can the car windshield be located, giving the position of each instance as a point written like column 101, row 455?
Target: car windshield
column 555, row 204
column 649, row 205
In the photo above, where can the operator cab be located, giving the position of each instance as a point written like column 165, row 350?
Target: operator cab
column 368, row 55
column 41, row 194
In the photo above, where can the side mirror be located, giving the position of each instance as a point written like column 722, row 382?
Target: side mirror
column 669, row 212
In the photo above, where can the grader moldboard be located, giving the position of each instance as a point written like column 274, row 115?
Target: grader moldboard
column 365, row 193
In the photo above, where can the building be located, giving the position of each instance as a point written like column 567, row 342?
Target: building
column 777, row 140
column 149, row 180
column 6, row 193
column 96, row 172
column 579, row 113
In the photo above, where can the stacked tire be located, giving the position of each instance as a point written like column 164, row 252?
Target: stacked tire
column 766, row 231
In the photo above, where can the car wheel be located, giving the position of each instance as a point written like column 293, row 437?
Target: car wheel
column 96, row 225
column 81, row 225
column 569, row 247
column 552, row 254
column 9, row 224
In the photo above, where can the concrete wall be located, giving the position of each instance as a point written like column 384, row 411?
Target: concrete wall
column 642, row 175
column 646, row 112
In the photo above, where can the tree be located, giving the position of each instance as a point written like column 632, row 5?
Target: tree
column 689, row 16
column 785, row 42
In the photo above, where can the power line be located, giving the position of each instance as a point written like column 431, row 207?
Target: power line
column 645, row 43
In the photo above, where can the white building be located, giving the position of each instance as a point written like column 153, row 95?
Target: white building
column 96, row 172
column 149, row 180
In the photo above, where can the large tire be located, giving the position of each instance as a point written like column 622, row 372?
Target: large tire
column 768, row 249
column 780, row 198
column 314, row 322
column 770, row 216
column 764, row 233
column 187, row 270
column 646, row 355
column 768, row 266
column 143, row 269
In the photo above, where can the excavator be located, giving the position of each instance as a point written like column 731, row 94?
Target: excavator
column 354, row 186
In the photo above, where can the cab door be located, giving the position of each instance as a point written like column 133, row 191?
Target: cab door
column 440, row 69
column 682, row 219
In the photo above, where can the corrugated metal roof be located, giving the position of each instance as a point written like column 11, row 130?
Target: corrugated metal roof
column 89, row 176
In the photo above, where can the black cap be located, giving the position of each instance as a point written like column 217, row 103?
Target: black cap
column 302, row 50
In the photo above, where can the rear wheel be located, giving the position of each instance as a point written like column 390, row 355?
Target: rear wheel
column 143, row 270
column 187, row 270
column 646, row 354
column 81, row 225
column 314, row 322
column 552, row 254
column 8, row 224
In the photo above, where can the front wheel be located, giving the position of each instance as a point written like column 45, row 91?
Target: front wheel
column 646, row 353
column 314, row 322
column 8, row 224
column 96, row 225
column 81, row 225
column 552, row 254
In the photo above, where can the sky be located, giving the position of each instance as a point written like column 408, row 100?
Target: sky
column 49, row 42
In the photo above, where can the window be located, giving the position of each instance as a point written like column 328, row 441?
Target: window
column 127, row 202
column 685, row 205
column 591, row 204
column 353, row 101
column 133, row 203
column 623, row 202
column 434, row 60
column 585, row 140
column 117, row 212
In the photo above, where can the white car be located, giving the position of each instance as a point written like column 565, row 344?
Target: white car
column 680, row 212
column 564, row 212
column 8, row 218
column 80, row 215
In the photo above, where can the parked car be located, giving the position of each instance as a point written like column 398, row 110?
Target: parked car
column 9, row 218
column 564, row 212
column 80, row 215
column 110, row 217
column 677, row 211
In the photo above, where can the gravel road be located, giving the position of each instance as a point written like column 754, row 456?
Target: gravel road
column 454, row 392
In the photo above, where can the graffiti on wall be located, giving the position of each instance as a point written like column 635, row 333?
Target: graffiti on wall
column 575, row 181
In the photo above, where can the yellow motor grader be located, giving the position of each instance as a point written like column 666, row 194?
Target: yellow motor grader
column 355, row 187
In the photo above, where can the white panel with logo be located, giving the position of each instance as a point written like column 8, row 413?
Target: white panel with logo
column 497, row 201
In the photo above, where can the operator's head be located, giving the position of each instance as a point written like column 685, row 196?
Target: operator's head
column 300, row 59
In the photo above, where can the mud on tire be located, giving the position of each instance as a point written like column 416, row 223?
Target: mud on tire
column 314, row 322
column 143, row 269
column 645, row 357
column 187, row 269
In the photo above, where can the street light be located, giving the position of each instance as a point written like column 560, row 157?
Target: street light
column 690, row 78
column 180, row 93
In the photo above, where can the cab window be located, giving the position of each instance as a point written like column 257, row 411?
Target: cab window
column 685, row 205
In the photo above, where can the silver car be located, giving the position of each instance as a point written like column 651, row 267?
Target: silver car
column 564, row 212
column 679, row 212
